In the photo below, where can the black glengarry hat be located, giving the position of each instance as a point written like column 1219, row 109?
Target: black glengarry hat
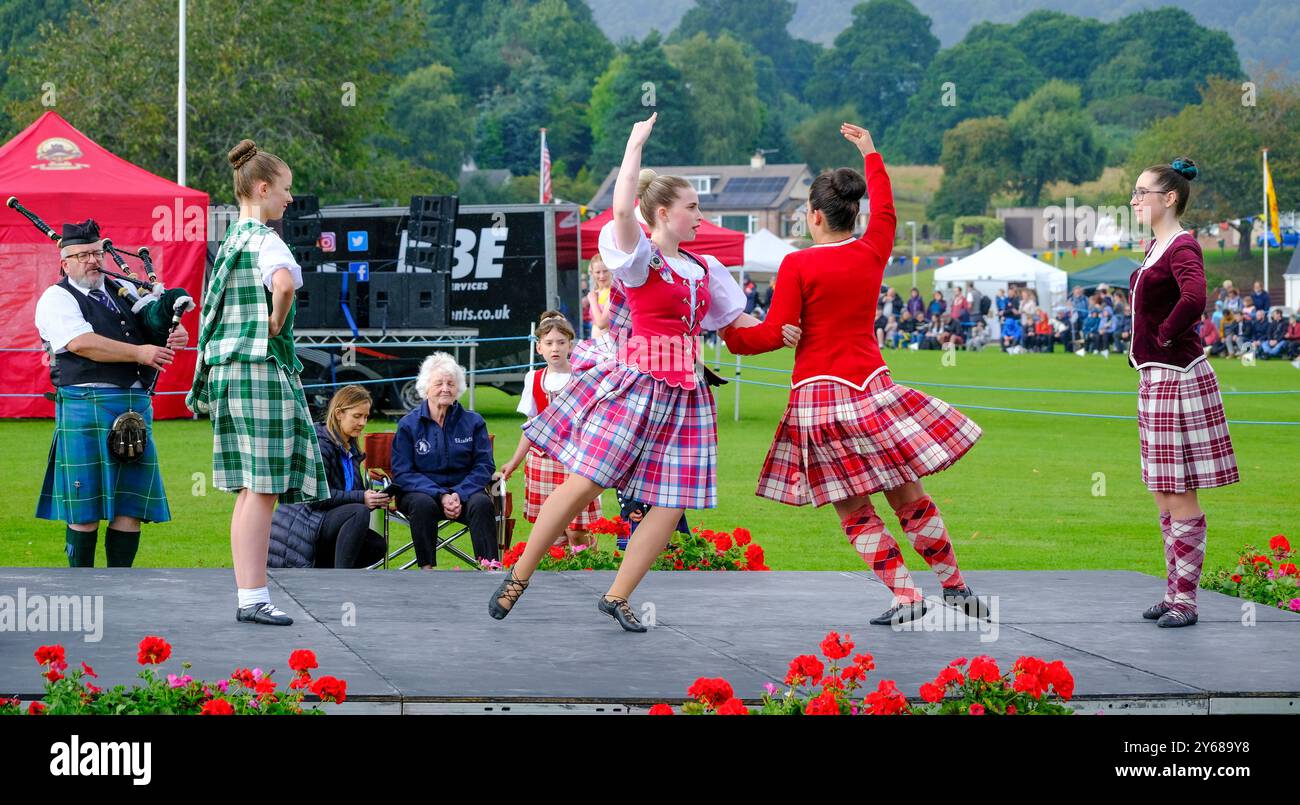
column 78, row 234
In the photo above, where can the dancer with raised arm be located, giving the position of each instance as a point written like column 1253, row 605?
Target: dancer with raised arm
column 640, row 421
column 849, row 431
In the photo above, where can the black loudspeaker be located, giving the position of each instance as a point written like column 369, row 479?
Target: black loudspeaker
column 436, row 231
column 441, row 208
column 301, row 231
column 319, row 306
column 302, row 206
column 410, row 301
column 433, row 258
column 308, row 257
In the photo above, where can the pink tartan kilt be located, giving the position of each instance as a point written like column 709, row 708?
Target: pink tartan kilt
column 836, row 442
column 625, row 430
column 542, row 476
column 1183, row 431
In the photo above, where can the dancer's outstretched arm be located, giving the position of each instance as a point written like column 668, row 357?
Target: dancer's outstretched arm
column 625, row 186
column 771, row 333
column 882, row 226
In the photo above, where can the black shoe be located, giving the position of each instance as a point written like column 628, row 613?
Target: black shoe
column 1179, row 615
column 619, row 610
column 511, row 588
column 264, row 613
column 901, row 613
column 964, row 599
column 1156, row 610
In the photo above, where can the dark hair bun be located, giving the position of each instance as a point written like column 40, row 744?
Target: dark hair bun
column 1185, row 168
column 848, row 184
column 240, row 154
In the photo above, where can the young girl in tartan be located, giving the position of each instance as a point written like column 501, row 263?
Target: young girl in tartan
column 247, row 377
column 849, row 431
column 639, row 421
column 1182, row 430
column 543, row 474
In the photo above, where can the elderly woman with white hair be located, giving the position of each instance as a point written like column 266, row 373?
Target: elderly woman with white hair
column 442, row 463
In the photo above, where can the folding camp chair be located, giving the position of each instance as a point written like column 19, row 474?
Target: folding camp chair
column 379, row 457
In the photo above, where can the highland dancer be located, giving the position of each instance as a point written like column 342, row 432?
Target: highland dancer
column 849, row 431
column 247, row 378
column 1182, row 430
column 640, row 421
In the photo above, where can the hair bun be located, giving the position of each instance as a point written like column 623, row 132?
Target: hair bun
column 848, row 184
column 644, row 179
column 240, row 154
column 1186, row 168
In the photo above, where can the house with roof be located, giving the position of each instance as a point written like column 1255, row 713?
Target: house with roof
column 746, row 198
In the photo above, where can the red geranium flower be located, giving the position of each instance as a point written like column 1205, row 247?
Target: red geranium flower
column 722, row 542
column 303, row 659
column 53, row 675
column 92, row 689
column 154, row 650
column 301, row 681
column 1060, row 678
column 1280, row 544
column 1031, row 684
column 264, row 686
column 733, row 707
column 834, row 648
column 823, row 705
column 217, row 707
column 976, row 709
column 1288, row 569
column 1263, row 560
column 742, row 536
column 35, row 709
column 854, row 672
column 661, row 710
column 330, row 689
column 865, row 661
column 957, row 663
column 677, row 565
column 1011, row 709
column 887, row 700
column 48, row 655
column 949, row 675
column 88, row 671
column 711, row 692
column 1236, row 578
column 931, row 692
column 556, row 552
column 244, row 677
column 984, row 668
column 805, row 666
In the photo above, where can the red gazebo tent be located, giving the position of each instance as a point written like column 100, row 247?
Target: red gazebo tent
column 727, row 245
column 62, row 175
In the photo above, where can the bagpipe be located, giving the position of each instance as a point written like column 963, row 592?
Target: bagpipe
column 158, row 309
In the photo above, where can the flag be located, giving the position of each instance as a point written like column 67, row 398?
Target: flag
column 544, row 174
column 1272, row 200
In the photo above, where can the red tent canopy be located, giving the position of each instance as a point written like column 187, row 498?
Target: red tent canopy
column 727, row 245
column 63, row 176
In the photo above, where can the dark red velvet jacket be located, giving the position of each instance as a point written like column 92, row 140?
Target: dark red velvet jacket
column 1168, row 298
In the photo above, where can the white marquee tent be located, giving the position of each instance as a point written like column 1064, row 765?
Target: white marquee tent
column 998, row 264
column 765, row 251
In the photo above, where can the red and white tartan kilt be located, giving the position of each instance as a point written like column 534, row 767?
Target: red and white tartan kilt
column 1183, row 430
column 625, row 430
column 836, row 442
column 542, row 476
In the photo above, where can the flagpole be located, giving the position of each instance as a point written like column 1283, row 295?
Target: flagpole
column 1266, row 222
column 541, row 171
column 180, row 102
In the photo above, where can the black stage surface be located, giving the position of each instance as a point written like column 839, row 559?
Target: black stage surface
column 412, row 642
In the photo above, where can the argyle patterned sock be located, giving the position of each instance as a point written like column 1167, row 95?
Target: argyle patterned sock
column 869, row 537
column 924, row 528
column 1189, row 555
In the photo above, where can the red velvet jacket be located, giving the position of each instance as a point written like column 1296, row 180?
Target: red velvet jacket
column 1168, row 298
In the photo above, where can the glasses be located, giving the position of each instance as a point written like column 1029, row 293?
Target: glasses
column 86, row 257
column 1139, row 192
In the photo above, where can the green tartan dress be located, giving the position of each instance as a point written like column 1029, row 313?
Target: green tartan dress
column 248, row 382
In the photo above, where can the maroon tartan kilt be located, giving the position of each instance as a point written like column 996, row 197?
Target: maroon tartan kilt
column 836, row 442
column 1183, row 430
column 542, row 476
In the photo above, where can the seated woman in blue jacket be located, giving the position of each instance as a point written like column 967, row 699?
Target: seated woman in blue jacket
column 334, row 532
column 442, row 463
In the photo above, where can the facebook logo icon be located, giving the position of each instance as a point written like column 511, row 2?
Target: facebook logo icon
column 361, row 270
column 359, row 241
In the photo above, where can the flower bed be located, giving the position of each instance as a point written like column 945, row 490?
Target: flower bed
column 964, row 687
column 1269, row 578
column 703, row 549
column 244, row 693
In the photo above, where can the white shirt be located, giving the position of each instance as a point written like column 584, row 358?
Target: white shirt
column 633, row 268
column 552, row 382
column 273, row 255
column 59, row 319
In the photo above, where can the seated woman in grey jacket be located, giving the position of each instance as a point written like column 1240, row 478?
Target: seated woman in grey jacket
column 334, row 532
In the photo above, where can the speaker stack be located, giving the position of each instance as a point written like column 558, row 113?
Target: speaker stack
column 301, row 225
column 419, row 298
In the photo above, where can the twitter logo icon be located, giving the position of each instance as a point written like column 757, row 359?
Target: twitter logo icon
column 359, row 241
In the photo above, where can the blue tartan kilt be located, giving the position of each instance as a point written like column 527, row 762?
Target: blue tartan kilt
column 83, row 482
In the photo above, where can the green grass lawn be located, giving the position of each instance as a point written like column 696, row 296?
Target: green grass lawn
column 1023, row 498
